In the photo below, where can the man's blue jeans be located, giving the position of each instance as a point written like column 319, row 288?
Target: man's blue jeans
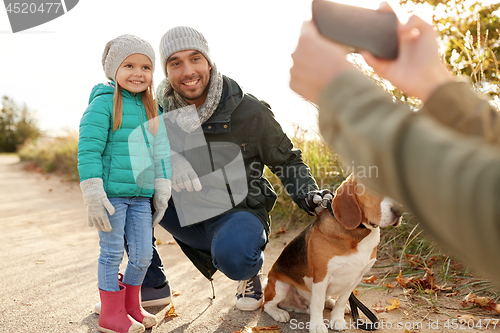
column 132, row 220
column 235, row 240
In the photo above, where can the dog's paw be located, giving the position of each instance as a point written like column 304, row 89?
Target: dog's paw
column 338, row 324
column 318, row 327
column 277, row 313
column 329, row 303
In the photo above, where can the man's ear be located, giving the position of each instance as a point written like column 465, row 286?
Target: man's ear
column 345, row 205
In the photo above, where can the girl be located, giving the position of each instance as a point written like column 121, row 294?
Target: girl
column 123, row 159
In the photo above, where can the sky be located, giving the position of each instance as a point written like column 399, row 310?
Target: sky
column 53, row 67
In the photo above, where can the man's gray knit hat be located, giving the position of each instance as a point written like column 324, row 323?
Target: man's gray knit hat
column 181, row 39
column 120, row 48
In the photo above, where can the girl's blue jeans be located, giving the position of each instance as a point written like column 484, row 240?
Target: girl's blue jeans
column 235, row 241
column 132, row 221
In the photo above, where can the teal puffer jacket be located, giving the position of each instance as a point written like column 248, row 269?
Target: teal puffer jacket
column 128, row 159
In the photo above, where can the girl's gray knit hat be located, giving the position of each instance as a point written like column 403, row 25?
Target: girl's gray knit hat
column 181, row 39
column 120, row 48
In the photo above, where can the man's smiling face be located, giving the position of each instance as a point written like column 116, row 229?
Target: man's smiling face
column 189, row 74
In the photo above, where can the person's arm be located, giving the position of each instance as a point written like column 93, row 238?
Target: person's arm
column 455, row 105
column 161, row 152
column 277, row 152
column 420, row 72
column 450, row 182
column 93, row 136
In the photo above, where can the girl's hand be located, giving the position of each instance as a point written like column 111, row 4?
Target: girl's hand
column 160, row 199
column 97, row 203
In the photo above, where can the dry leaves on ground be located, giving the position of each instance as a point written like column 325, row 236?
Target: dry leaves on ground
column 370, row 279
column 258, row 329
column 171, row 312
column 394, row 303
column 426, row 282
column 484, row 302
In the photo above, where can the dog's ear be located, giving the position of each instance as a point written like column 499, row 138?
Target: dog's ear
column 345, row 205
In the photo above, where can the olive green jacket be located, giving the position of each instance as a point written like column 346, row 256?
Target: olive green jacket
column 442, row 163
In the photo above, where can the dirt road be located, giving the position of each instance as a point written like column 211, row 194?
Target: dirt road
column 48, row 265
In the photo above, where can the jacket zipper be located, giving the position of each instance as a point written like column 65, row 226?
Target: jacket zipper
column 142, row 151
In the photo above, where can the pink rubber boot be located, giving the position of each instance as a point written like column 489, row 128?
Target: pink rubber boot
column 113, row 317
column 134, row 308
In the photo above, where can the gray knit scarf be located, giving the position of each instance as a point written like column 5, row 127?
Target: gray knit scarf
column 170, row 100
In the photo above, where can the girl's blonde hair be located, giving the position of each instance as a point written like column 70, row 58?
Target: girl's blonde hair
column 149, row 102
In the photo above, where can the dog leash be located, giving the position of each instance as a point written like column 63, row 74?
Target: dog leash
column 355, row 304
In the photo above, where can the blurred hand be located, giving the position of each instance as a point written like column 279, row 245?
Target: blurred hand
column 418, row 70
column 316, row 62
column 183, row 175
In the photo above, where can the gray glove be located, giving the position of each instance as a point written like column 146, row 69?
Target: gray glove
column 183, row 175
column 97, row 203
column 160, row 199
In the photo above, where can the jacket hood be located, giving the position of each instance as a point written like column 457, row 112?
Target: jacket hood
column 101, row 89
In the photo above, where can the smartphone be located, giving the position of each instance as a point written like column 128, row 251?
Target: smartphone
column 359, row 28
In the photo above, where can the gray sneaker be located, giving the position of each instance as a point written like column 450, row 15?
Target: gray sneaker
column 249, row 295
column 150, row 297
column 156, row 296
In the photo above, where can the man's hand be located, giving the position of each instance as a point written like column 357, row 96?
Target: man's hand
column 315, row 201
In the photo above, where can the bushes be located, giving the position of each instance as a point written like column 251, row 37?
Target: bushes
column 53, row 154
column 17, row 125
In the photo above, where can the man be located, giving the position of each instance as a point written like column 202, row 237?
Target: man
column 238, row 133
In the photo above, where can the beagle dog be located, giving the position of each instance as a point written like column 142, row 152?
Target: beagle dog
column 329, row 257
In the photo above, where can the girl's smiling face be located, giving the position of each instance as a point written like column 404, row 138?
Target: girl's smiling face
column 135, row 73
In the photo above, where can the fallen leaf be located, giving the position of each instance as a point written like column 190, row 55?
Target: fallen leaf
column 379, row 308
column 413, row 259
column 252, row 329
column 390, row 285
column 403, row 281
column 395, row 303
column 427, row 281
column 355, row 292
column 464, row 319
column 281, row 230
column 484, row 302
column 158, row 241
column 171, row 312
column 371, row 279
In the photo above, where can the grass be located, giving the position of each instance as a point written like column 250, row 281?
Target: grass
column 53, row 154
